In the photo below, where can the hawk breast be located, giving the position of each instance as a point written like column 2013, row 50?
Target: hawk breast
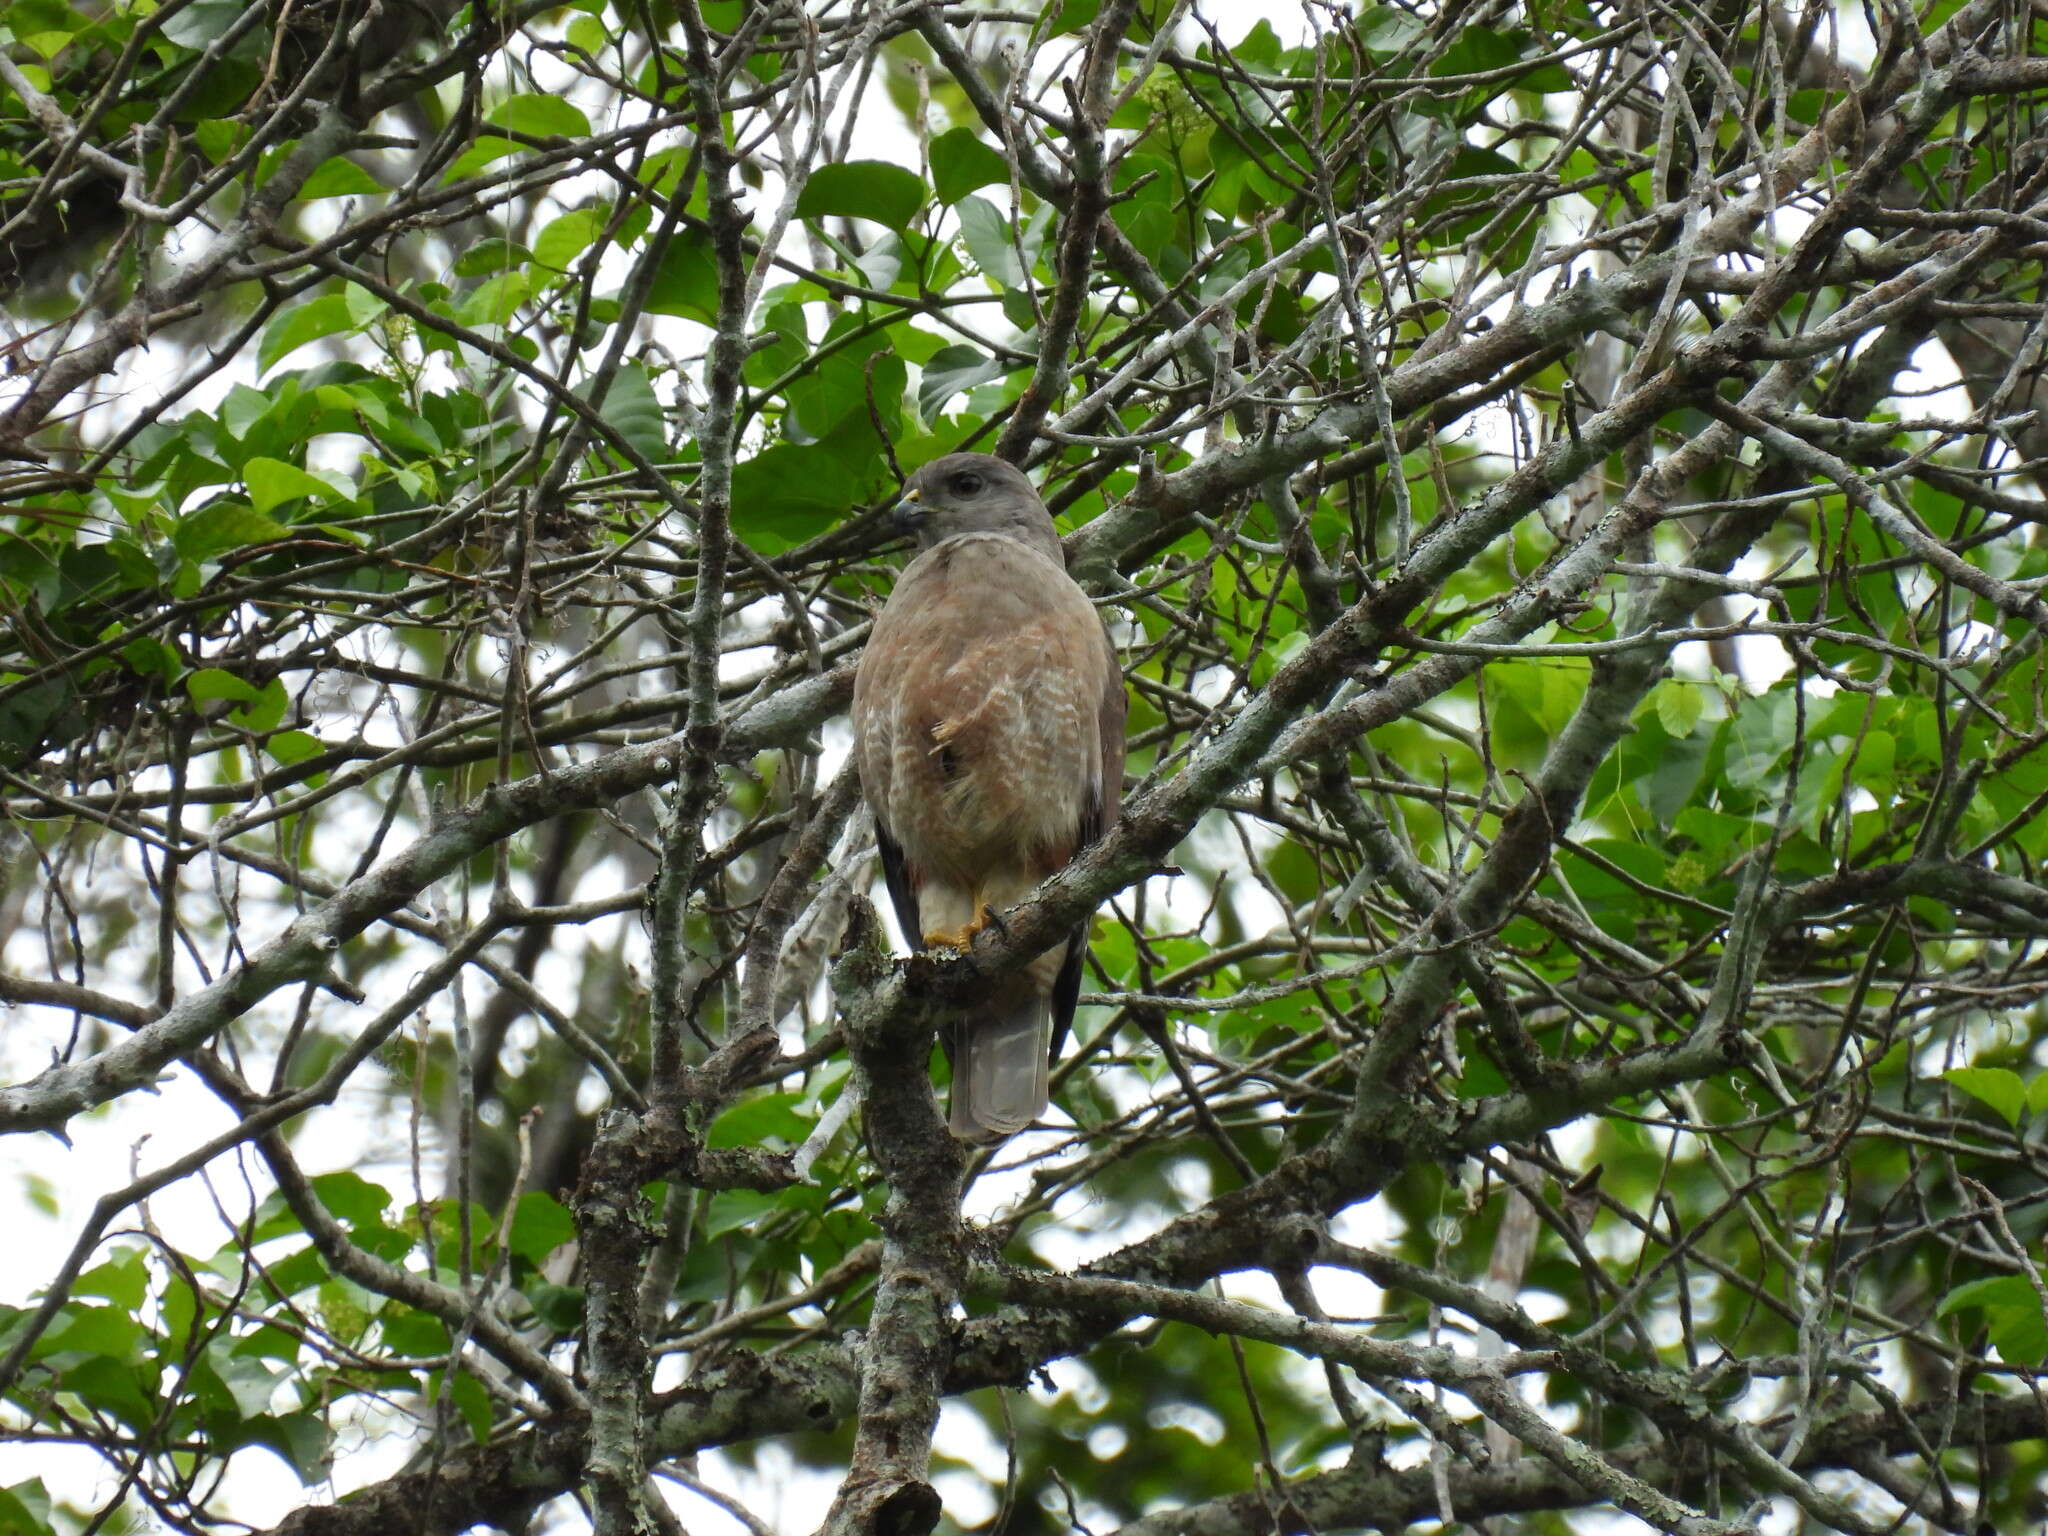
column 976, row 712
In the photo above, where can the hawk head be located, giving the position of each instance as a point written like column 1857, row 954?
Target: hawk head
column 975, row 493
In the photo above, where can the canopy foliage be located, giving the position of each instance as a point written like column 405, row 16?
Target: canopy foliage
column 1565, row 1029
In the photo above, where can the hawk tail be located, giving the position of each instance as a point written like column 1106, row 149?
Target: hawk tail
column 1002, row 1065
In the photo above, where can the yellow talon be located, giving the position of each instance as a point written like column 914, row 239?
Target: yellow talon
column 962, row 938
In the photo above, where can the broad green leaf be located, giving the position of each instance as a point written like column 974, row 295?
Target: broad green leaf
column 1389, row 29
column 26, row 716
column 962, row 163
column 633, row 410
column 353, row 1199
column 293, row 747
column 473, row 1403
column 345, row 1309
column 197, row 24
column 110, row 1332
column 542, row 116
column 413, row 1333
column 993, row 243
column 217, row 140
column 490, row 256
column 209, row 684
column 752, row 1122
column 1476, row 50
column 1995, row 1086
column 248, row 1380
column 568, row 237
column 272, row 482
column 952, row 371
column 2012, row 1315
column 686, row 282
column 114, row 1387
column 266, row 710
column 1997, row 1291
column 302, row 1440
column 224, row 525
column 540, row 1225
column 340, row 177
column 496, row 300
column 1679, row 707
column 790, row 492
column 559, row 1306
column 734, row 1208
column 121, row 1279
column 866, row 189
column 304, row 321
column 25, row 1508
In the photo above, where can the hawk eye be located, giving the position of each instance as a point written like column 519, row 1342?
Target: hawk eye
column 966, row 483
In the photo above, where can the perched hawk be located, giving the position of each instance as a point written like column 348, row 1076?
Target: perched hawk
column 988, row 722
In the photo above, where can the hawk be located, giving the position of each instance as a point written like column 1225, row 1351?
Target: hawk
column 988, row 725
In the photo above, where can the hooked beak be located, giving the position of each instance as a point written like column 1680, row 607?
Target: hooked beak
column 908, row 513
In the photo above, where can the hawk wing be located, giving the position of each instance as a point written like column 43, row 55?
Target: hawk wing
column 1098, row 816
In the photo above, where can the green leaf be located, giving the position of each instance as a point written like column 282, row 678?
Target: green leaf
column 863, row 189
column 559, row 1306
column 752, row 1122
column 1679, row 706
column 293, row 747
column 1477, row 50
column 962, row 163
column 987, row 233
column 1995, row 1086
column 224, row 525
column 353, row 1199
column 2012, row 1315
column 413, row 1333
column 496, row 299
column 953, row 371
column 491, row 256
column 25, row 717
column 110, row 1332
column 686, row 282
column 121, row 1279
column 301, row 323
column 542, row 116
column 540, row 1225
column 210, row 684
column 1388, row 29
column 201, row 22
column 340, row 177
column 474, row 1404
column 568, row 237
column 25, row 1508
column 1998, row 1291
column 790, row 492
column 634, row 411
column 218, row 140
column 112, row 1386
column 248, row 1382
column 272, row 482
column 302, row 1440
column 734, row 1208
column 2037, row 1094
column 268, row 708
